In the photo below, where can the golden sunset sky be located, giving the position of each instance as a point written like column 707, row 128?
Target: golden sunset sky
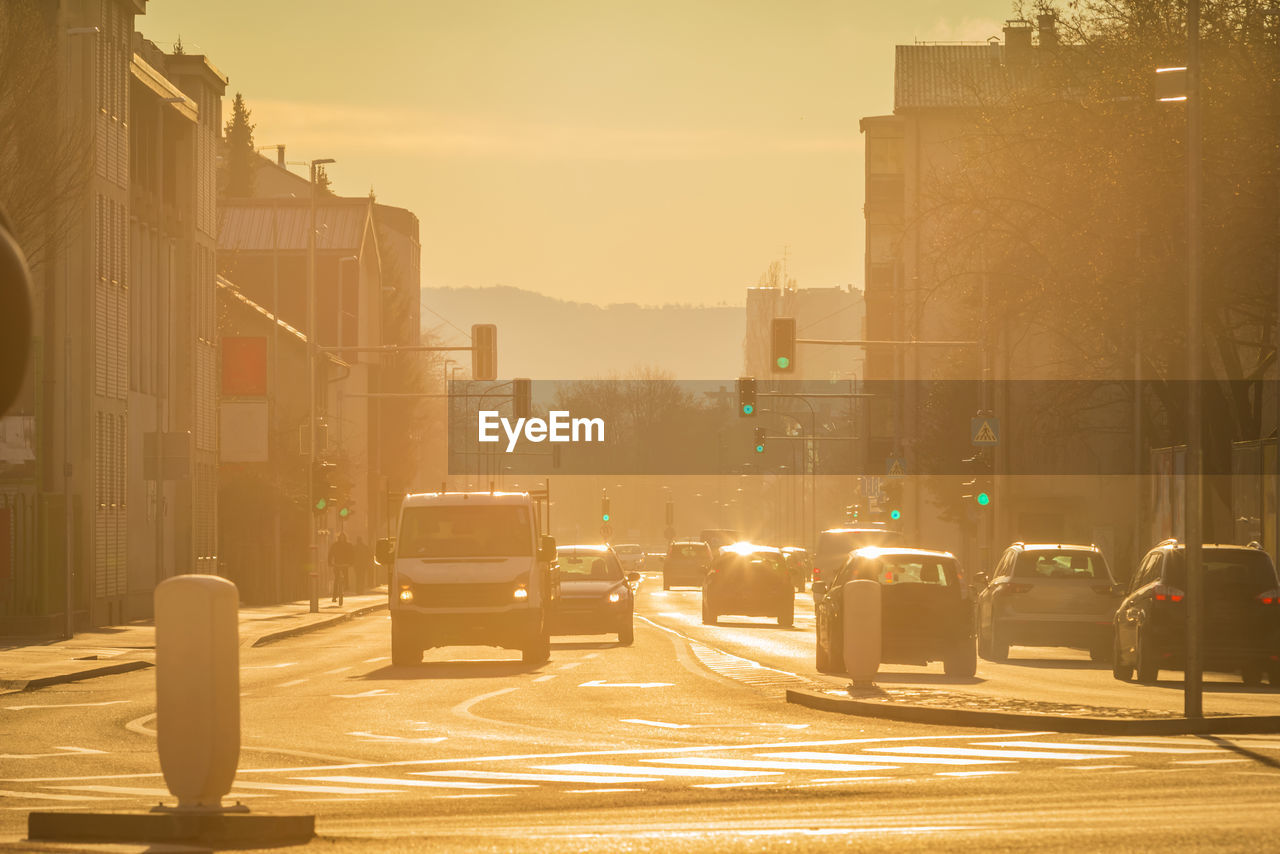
column 652, row 152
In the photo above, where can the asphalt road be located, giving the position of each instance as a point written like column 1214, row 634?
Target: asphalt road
column 680, row 742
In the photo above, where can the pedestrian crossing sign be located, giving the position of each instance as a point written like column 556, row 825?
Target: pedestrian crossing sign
column 984, row 430
column 894, row 466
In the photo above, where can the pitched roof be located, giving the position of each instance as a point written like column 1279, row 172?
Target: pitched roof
column 927, row 75
column 250, row 226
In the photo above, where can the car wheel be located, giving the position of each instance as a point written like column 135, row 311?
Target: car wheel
column 1251, row 673
column 1146, row 664
column 821, row 660
column 538, row 649
column 1273, row 674
column 963, row 662
column 708, row 617
column 627, row 632
column 787, row 618
column 997, row 646
column 405, row 650
column 1119, row 669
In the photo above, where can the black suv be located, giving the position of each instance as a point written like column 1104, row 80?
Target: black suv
column 1241, row 614
column 751, row 581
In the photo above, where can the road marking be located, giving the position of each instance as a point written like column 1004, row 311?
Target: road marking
column 597, row 791
column 541, row 778
column 464, row 708
column 337, row 670
column 1127, row 748
column 376, row 692
column 138, row 725
column 1208, row 761
column 66, row 705
column 592, row 655
column 547, row 678
column 370, row 736
column 1093, row 767
column 68, row 751
column 600, row 683
column 377, row 659
column 323, row 790
column 897, row 760
column 734, row 785
column 662, row 724
column 134, row 790
column 831, row 780
column 270, row 666
column 48, row 796
column 635, row 770
column 454, row 797
column 432, row 784
column 990, row 754
column 570, row 665
column 970, row 773
column 714, row 762
column 294, row 682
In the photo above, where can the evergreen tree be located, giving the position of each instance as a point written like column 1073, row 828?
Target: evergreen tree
column 242, row 159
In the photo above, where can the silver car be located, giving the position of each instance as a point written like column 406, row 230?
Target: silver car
column 1043, row 594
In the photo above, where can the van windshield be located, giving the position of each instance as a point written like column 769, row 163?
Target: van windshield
column 459, row 530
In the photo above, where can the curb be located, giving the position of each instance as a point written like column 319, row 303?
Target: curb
column 292, row 631
column 942, row 716
column 77, row 676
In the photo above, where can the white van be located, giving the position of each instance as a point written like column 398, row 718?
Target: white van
column 470, row 568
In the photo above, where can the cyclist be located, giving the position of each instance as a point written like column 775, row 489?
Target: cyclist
column 341, row 557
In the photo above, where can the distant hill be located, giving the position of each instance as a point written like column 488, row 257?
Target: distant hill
column 546, row 338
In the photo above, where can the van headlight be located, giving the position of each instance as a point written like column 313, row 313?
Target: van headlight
column 406, row 595
column 615, row 597
column 520, row 593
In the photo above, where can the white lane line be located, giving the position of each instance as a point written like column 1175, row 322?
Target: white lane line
column 1093, row 767
column 136, row 790
column 1128, row 748
column 48, row 796
column 377, row 659
column 600, row 683
column 536, row 778
column 67, row 751
column 734, row 785
column 592, row 655
column 570, row 665
column 833, row 780
column 591, row 768
column 398, row 781
column 370, row 736
column 319, row 790
column 337, row 670
column 547, row 678
column 139, row 725
column 1208, row 761
column 464, row 708
column 270, row 666
column 376, row 692
column 713, row 762
column 597, row 791
column 970, row 752
column 293, row 682
column 662, row 724
column 897, row 760
column 65, row 705
column 970, row 773
column 455, row 797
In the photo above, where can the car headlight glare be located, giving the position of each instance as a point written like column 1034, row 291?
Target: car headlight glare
column 615, row 597
column 520, row 594
column 406, row 595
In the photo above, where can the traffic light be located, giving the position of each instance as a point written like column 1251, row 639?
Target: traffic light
column 746, row 396
column 604, row 508
column 760, row 437
column 324, row 487
column 346, row 506
column 893, row 497
column 521, row 397
column 484, row 351
column 977, row 486
column 784, row 344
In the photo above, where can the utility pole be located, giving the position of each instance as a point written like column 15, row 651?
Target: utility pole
column 313, row 565
column 1193, row 674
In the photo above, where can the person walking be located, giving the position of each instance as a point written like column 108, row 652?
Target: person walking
column 341, row 556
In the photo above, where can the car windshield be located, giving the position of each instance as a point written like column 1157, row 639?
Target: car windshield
column 1085, row 565
column 459, row 530
column 835, row 542
column 912, row 569
column 1250, row 571
column 692, row 550
column 597, row 566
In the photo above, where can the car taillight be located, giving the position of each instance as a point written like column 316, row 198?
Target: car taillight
column 1166, row 593
column 1269, row 597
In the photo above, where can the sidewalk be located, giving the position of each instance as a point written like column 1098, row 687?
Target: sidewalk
column 26, row 665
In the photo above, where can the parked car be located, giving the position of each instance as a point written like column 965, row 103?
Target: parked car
column 631, row 555
column 595, row 593
column 750, row 581
column 926, row 610
column 799, row 566
column 686, row 564
column 1241, row 614
column 1047, row 595
column 835, row 544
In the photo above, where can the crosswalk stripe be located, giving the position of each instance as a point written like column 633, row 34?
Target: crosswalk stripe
column 318, row 790
column 49, row 796
column 735, row 785
column 1126, row 748
column 661, row 772
column 988, row 754
column 399, row 781
column 134, row 790
column 530, row 777
column 897, row 760
column 715, row 762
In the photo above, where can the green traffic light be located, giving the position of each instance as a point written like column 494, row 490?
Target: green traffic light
column 759, row 449
column 747, row 409
column 984, row 499
column 895, row 515
column 604, row 517
column 321, row 504
column 344, row 512
column 783, row 362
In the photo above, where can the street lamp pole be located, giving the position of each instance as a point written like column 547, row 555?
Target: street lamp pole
column 313, row 567
column 1193, row 678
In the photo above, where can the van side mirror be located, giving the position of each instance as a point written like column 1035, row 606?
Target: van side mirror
column 981, row 580
column 547, row 548
column 633, row 577
column 384, row 551
column 819, row 589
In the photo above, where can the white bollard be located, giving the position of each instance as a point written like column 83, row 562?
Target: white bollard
column 197, row 687
column 862, row 630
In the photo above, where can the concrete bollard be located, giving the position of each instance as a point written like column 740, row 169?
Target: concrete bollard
column 197, row 687
column 862, row 630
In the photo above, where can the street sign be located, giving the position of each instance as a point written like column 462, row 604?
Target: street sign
column 606, row 531
column 984, row 430
column 894, row 466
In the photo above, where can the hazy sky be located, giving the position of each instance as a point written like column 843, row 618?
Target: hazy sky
column 651, row 152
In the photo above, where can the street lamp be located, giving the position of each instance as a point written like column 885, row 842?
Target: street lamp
column 313, row 567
